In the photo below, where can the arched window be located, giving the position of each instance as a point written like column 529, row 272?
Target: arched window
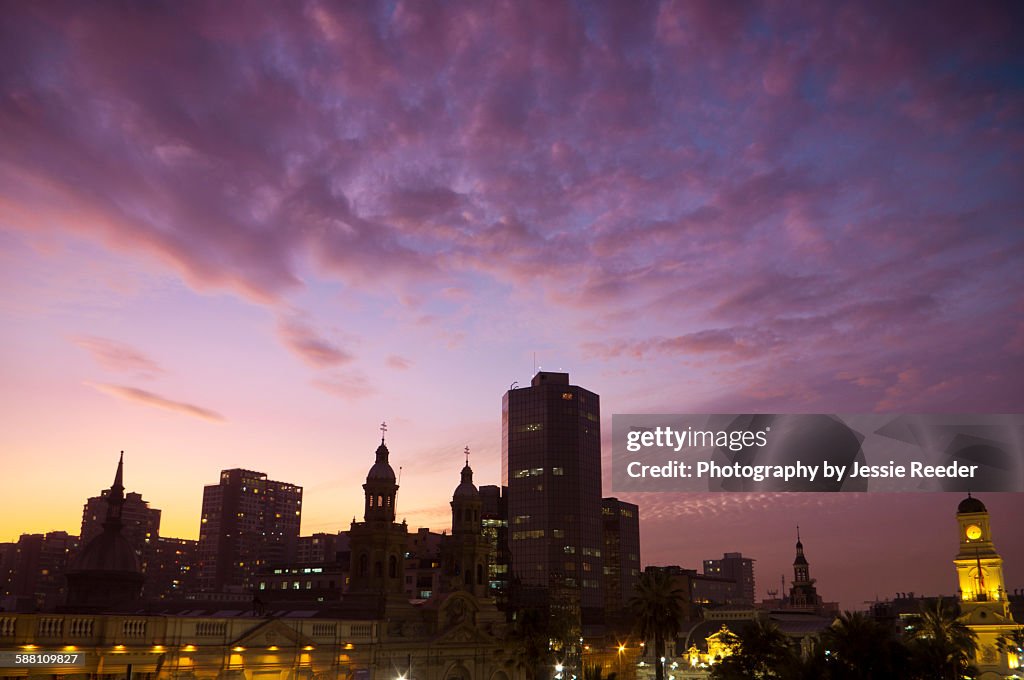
column 392, row 567
column 363, row 561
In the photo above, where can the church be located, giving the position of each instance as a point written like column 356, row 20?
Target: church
column 374, row 633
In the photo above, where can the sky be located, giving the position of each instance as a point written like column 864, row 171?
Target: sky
column 244, row 235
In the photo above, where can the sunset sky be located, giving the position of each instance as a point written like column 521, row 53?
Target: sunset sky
column 242, row 235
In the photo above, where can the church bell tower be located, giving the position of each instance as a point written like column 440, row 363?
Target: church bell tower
column 983, row 597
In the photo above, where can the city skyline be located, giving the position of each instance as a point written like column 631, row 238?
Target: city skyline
column 241, row 240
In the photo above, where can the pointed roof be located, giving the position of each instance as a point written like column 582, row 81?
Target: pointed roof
column 800, row 559
column 109, row 550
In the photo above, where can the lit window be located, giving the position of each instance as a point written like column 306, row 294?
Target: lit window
column 557, row 472
column 567, row 396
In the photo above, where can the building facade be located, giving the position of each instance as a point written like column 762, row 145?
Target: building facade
column 494, row 509
column 620, row 528
column 736, row 567
column 551, row 464
column 32, row 575
column 248, row 521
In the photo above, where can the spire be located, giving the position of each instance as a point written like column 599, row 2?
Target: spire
column 383, row 431
column 800, row 559
column 115, row 498
column 467, row 455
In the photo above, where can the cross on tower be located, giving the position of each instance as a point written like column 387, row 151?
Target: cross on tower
column 383, row 429
column 467, row 456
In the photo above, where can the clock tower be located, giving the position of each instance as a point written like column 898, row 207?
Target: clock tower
column 982, row 591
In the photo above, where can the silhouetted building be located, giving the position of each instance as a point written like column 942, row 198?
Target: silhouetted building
column 494, row 509
column 466, row 552
column 140, row 524
column 248, row 522
column 736, row 567
column 301, row 582
column 551, row 464
column 320, row 547
column 32, row 571
column 802, row 593
column 105, row 575
column 620, row 525
column 423, row 573
column 377, row 545
column 170, row 568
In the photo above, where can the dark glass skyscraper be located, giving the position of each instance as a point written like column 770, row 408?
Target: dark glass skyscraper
column 551, row 464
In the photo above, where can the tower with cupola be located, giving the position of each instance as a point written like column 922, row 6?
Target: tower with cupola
column 982, row 592
column 377, row 544
column 802, row 593
column 467, row 551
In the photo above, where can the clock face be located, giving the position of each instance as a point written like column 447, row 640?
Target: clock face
column 973, row 532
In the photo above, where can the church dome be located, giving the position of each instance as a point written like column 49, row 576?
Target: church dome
column 971, row 504
column 381, row 469
column 108, row 551
column 466, row 488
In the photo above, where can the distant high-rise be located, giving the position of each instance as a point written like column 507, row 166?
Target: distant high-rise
column 738, row 568
column 170, row 568
column 248, row 521
column 32, row 573
column 551, row 464
column 621, row 530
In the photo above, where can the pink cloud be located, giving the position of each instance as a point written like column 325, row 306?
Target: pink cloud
column 140, row 396
column 309, row 346
column 399, row 363
column 350, row 385
column 117, row 356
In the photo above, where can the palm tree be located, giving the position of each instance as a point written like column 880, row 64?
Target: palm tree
column 857, row 646
column 530, row 641
column 658, row 608
column 1012, row 643
column 942, row 646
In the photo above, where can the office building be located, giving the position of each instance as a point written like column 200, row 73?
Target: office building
column 736, row 567
column 620, row 526
column 170, row 571
column 494, row 512
column 34, row 570
column 248, row 521
column 551, row 464
column 320, row 547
